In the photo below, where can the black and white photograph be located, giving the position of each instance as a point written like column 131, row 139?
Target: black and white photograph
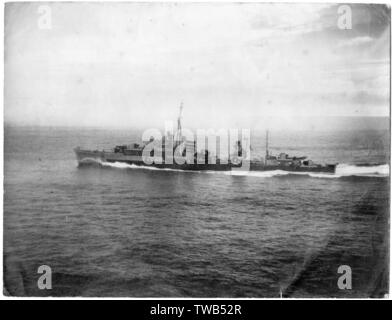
column 196, row 150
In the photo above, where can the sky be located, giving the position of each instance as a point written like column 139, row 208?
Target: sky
column 232, row 65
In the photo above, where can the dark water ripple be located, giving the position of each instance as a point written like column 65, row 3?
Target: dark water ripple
column 130, row 232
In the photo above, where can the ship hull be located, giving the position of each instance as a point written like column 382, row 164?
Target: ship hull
column 86, row 156
column 317, row 168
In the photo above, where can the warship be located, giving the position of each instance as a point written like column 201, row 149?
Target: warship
column 135, row 154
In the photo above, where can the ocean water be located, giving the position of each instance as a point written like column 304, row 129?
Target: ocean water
column 119, row 230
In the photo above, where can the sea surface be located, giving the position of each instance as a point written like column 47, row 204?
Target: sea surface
column 118, row 230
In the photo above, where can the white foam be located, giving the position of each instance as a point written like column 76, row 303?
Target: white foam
column 123, row 165
column 350, row 170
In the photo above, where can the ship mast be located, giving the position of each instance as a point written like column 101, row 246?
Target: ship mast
column 179, row 127
column 266, row 146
